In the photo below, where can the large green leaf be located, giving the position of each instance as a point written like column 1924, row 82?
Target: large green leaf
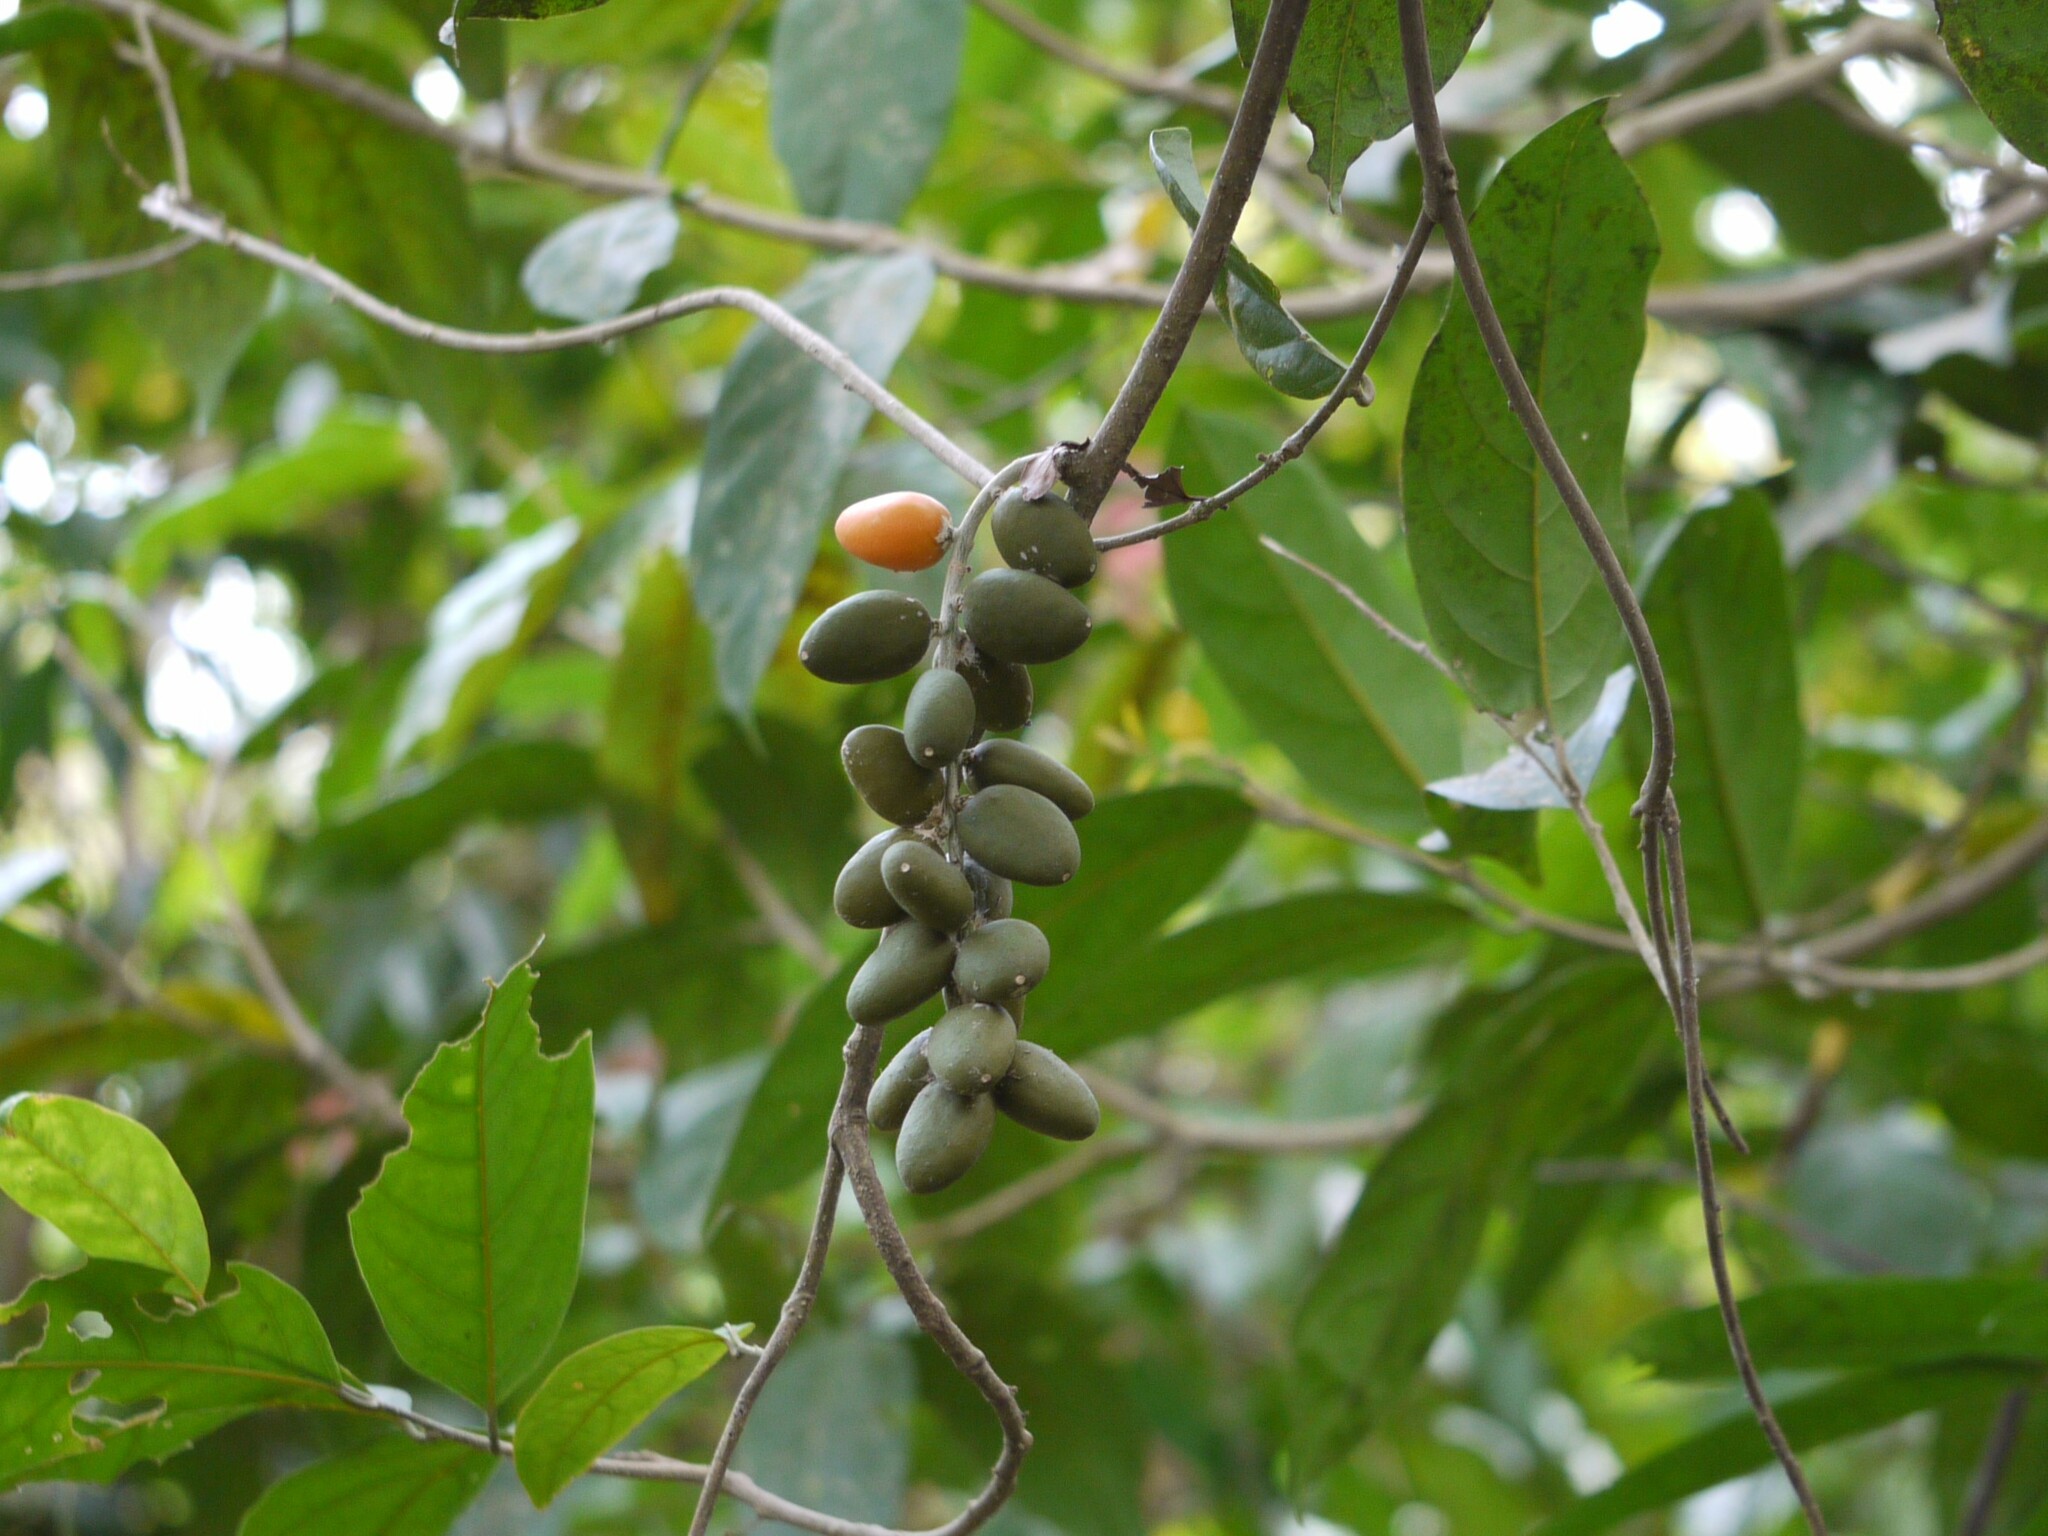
column 177, row 1373
column 1366, row 721
column 1721, row 613
column 781, row 431
column 833, row 1427
column 1346, row 83
column 470, row 1237
column 1735, row 1446
column 1555, row 1058
column 599, row 1395
column 861, row 93
column 1859, row 1325
column 105, row 1182
column 392, row 1486
column 476, row 634
column 2000, row 48
column 274, row 490
column 1280, row 351
column 1512, row 597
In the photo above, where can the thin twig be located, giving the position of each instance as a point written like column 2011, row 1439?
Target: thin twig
column 1213, row 99
column 699, row 76
column 1256, row 1138
column 166, row 101
column 1349, row 385
column 166, row 207
column 993, row 1209
column 97, row 270
column 783, row 920
column 1095, row 468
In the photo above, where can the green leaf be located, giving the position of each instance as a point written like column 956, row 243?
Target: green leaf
column 108, row 1341
column 92, row 1046
column 105, row 1182
column 470, row 1237
column 509, row 781
column 1735, row 1446
column 2000, row 48
column 1858, row 1325
column 1556, row 1056
column 599, row 1395
column 1512, row 597
column 1280, row 351
column 1317, row 934
column 592, row 267
column 476, row 635
column 274, row 490
column 40, row 970
column 1523, row 780
column 27, row 872
column 1346, row 83
column 647, row 718
column 1366, row 721
column 696, row 1121
column 1721, row 613
column 781, row 431
column 832, row 1430
column 861, row 93
column 392, row 1486
column 520, row 10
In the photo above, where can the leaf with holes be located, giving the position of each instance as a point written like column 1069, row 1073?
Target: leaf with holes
column 470, row 1237
column 599, row 1395
column 1512, row 597
column 105, row 1182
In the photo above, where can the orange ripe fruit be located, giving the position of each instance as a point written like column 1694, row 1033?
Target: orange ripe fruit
column 899, row 531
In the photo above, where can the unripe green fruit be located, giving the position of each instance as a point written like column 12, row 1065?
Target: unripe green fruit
column 938, row 722
column 971, row 1047
column 1001, row 961
column 931, row 890
column 1002, row 693
column 898, row 1086
column 894, row 786
column 993, row 895
column 1044, row 1094
column 1047, row 536
column 1020, row 834
column 867, row 637
column 1020, row 616
column 943, row 1136
column 1011, row 762
column 910, row 964
column 860, row 896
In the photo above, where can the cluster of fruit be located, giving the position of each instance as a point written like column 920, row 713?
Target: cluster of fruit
column 970, row 812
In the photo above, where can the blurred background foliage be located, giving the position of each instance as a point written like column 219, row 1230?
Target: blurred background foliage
column 339, row 671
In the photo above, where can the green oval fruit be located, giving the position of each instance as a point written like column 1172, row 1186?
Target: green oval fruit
column 867, row 637
column 895, row 787
column 1021, row 835
column 1020, row 616
column 1011, row 762
column 1044, row 1094
column 993, row 895
column 908, row 966
column 1047, row 536
column 938, row 722
column 943, row 1136
column 1002, row 693
column 860, row 896
column 923, row 884
column 891, row 1097
column 971, row 1047
column 1001, row 960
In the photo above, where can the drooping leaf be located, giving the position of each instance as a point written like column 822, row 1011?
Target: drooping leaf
column 509, row 781
column 833, row 1426
column 647, row 720
column 1736, row 1446
column 393, row 1486
column 275, row 490
column 1721, row 614
column 105, row 1182
column 1512, row 596
column 469, row 1238
column 782, row 429
column 1529, row 780
column 861, row 93
column 1867, row 1324
column 110, row 1341
column 2000, row 48
column 1557, row 1056
column 592, row 267
column 1367, row 722
column 696, row 1120
column 599, row 1395
column 476, row 634
column 1346, row 83
column 1280, row 351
